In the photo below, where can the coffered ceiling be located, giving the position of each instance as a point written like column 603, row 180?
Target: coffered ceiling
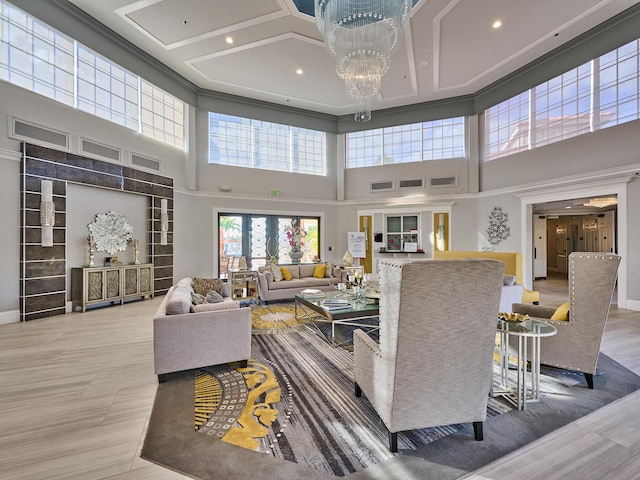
column 449, row 46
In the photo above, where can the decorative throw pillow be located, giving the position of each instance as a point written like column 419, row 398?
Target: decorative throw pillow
column 508, row 279
column 561, row 313
column 213, row 297
column 203, row 285
column 286, row 274
column 197, row 298
column 320, row 270
column 277, row 273
column 225, row 291
column 328, row 273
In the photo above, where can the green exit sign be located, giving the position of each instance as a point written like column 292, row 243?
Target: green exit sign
column 274, row 192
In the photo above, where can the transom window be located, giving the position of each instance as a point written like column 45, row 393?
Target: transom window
column 416, row 142
column 596, row 95
column 243, row 142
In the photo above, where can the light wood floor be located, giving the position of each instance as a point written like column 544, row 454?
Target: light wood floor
column 76, row 393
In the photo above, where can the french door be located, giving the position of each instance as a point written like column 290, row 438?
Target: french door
column 261, row 238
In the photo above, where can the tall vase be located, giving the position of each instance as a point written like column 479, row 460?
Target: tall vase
column 295, row 256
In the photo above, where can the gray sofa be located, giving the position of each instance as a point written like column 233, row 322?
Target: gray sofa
column 187, row 336
column 271, row 288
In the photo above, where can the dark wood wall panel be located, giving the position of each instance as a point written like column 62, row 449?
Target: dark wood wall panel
column 43, row 279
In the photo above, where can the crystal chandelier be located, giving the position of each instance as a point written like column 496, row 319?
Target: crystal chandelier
column 360, row 36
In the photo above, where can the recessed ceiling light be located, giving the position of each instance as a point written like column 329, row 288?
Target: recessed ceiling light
column 229, row 40
column 299, row 71
column 497, row 24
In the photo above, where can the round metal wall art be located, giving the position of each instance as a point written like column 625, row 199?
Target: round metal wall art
column 111, row 232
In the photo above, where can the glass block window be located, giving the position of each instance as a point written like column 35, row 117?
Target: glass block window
column 417, row 142
column 162, row 115
column 40, row 59
column 107, row 90
column 598, row 94
column 244, row 142
column 35, row 56
column 617, row 97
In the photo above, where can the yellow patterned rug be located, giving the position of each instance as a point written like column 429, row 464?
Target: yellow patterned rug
column 294, row 401
column 239, row 405
column 274, row 318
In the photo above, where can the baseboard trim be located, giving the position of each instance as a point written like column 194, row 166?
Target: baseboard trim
column 10, row 316
column 633, row 305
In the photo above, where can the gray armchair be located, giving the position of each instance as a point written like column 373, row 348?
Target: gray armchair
column 576, row 346
column 433, row 365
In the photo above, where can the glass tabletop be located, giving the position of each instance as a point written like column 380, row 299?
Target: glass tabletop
column 527, row 328
column 351, row 303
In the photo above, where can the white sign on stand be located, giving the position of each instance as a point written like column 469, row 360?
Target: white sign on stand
column 357, row 244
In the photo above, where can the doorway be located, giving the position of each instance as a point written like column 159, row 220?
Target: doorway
column 576, row 196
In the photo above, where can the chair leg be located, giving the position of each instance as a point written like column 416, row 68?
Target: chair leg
column 244, row 363
column 358, row 391
column 393, row 442
column 589, row 378
column 162, row 378
column 477, row 431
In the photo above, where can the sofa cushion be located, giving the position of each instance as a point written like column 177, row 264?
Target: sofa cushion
column 179, row 302
column 203, row 285
column 290, row 285
column 316, row 282
column 185, row 282
column 286, row 273
column 295, row 271
column 320, row 270
column 208, row 307
column 276, row 272
column 307, row 271
column 561, row 313
column 213, row 297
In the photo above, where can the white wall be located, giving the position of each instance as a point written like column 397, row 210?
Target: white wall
column 9, row 236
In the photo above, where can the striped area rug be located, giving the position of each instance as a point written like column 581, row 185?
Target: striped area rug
column 317, row 420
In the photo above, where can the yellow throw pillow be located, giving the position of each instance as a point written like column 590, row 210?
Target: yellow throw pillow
column 320, row 270
column 561, row 313
column 286, row 274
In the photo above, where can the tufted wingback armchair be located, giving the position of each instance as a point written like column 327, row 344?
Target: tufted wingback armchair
column 433, row 365
column 592, row 278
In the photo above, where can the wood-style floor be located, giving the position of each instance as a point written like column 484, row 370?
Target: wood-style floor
column 76, row 393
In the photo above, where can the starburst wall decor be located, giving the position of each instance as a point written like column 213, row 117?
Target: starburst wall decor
column 498, row 229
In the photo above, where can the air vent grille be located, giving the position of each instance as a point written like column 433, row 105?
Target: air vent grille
column 444, row 181
column 381, row 186
column 418, row 182
column 102, row 150
column 27, row 131
column 144, row 162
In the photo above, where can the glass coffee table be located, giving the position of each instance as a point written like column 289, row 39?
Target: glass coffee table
column 526, row 331
column 345, row 310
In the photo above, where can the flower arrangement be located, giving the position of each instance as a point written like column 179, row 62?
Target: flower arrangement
column 295, row 236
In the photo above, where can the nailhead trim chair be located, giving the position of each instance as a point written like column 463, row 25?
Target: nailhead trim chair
column 433, row 365
column 592, row 279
